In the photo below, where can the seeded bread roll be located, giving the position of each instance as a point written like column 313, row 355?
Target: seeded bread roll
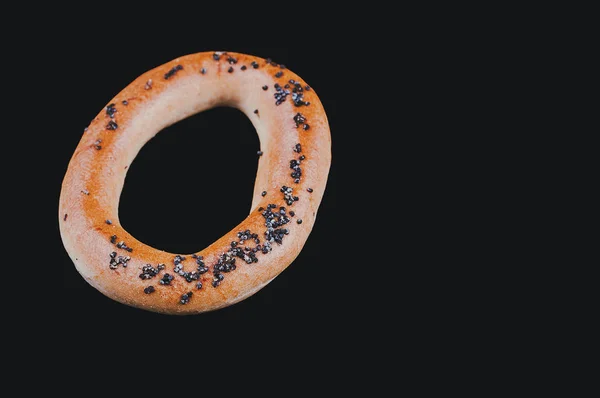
column 295, row 156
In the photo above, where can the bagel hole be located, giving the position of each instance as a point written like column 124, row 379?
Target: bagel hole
column 192, row 182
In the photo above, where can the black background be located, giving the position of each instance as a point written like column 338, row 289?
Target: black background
column 378, row 251
column 182, row 203
column 400, row 236
column 412, row 230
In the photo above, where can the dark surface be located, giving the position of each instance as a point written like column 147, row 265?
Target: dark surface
column 203, row 168
column 409, row 240
column 388, row 263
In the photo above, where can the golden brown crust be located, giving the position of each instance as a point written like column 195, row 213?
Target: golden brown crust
column 160, row 97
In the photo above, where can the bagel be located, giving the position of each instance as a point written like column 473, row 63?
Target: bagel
column 293, row 167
